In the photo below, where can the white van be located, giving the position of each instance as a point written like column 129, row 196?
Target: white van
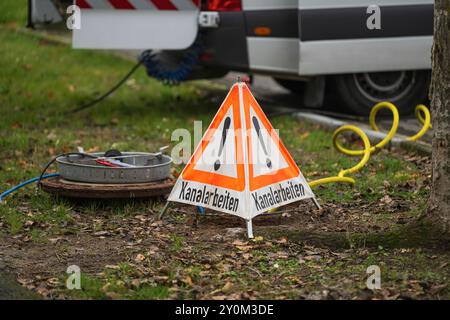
column 355, row 52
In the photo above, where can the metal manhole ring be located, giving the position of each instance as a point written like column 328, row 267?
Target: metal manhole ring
column 60, row 187
column 149, row 167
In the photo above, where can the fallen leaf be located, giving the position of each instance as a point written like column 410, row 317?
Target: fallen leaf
column 53, row 281
column 305, row 135
column 282, row 255
column 16, row 125
column 438, row 288
column 101, row 233
column 239, row 243
column 112, row 266
column 315, row 257
column 135, row 283
column 139, row 258
column 93, row 149
column 282, row 240
column 112, row 295
column 386, row 199
column 227, row 287
column 29, row 223
column 247, row 256
column 160, row 279
column 188, row 281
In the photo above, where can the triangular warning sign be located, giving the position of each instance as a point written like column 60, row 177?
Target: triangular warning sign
column 241, row 166
column 218, row 160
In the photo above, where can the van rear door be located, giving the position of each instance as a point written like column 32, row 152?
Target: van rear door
column 136, row 24
column 122, row 24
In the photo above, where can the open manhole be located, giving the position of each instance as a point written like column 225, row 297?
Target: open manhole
column 111, row 176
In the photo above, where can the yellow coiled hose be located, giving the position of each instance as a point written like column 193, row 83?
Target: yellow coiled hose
column 341, row 176
column 425, row 120
column 422, row 114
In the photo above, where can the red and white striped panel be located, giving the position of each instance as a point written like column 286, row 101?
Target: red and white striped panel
column 139, row 4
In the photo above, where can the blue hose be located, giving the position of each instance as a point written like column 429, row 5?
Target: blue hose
column 201, row 210
column 23, row 184
column 157, row 70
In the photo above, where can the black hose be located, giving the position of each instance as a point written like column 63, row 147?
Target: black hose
column 109, row 92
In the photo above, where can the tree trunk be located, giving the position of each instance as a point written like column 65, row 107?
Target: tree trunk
column 439, row 207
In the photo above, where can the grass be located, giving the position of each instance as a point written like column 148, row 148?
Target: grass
column 177, row 242
column 40, row 80
column 123, row 280
column 13, row 12
column 117, row 285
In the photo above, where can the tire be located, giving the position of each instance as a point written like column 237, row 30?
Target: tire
column 295, row 86
column 359, row 92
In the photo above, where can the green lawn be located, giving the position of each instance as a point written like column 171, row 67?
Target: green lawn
column 41, row 79
column 13, row 12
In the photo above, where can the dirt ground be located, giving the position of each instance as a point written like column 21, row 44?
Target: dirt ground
column 299, row 253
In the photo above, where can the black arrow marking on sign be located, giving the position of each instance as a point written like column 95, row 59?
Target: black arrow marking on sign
column 258, row 131
column 226, row 126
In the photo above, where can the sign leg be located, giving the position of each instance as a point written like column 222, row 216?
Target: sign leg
column 316, row 203
column 250, row 229
column 164, row 210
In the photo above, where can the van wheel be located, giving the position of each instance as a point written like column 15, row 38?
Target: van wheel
column 359, row 92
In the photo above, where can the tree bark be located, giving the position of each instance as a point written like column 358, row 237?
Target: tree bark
column 438, row 206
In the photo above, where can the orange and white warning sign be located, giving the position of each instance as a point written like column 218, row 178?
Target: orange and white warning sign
column 240, row 166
